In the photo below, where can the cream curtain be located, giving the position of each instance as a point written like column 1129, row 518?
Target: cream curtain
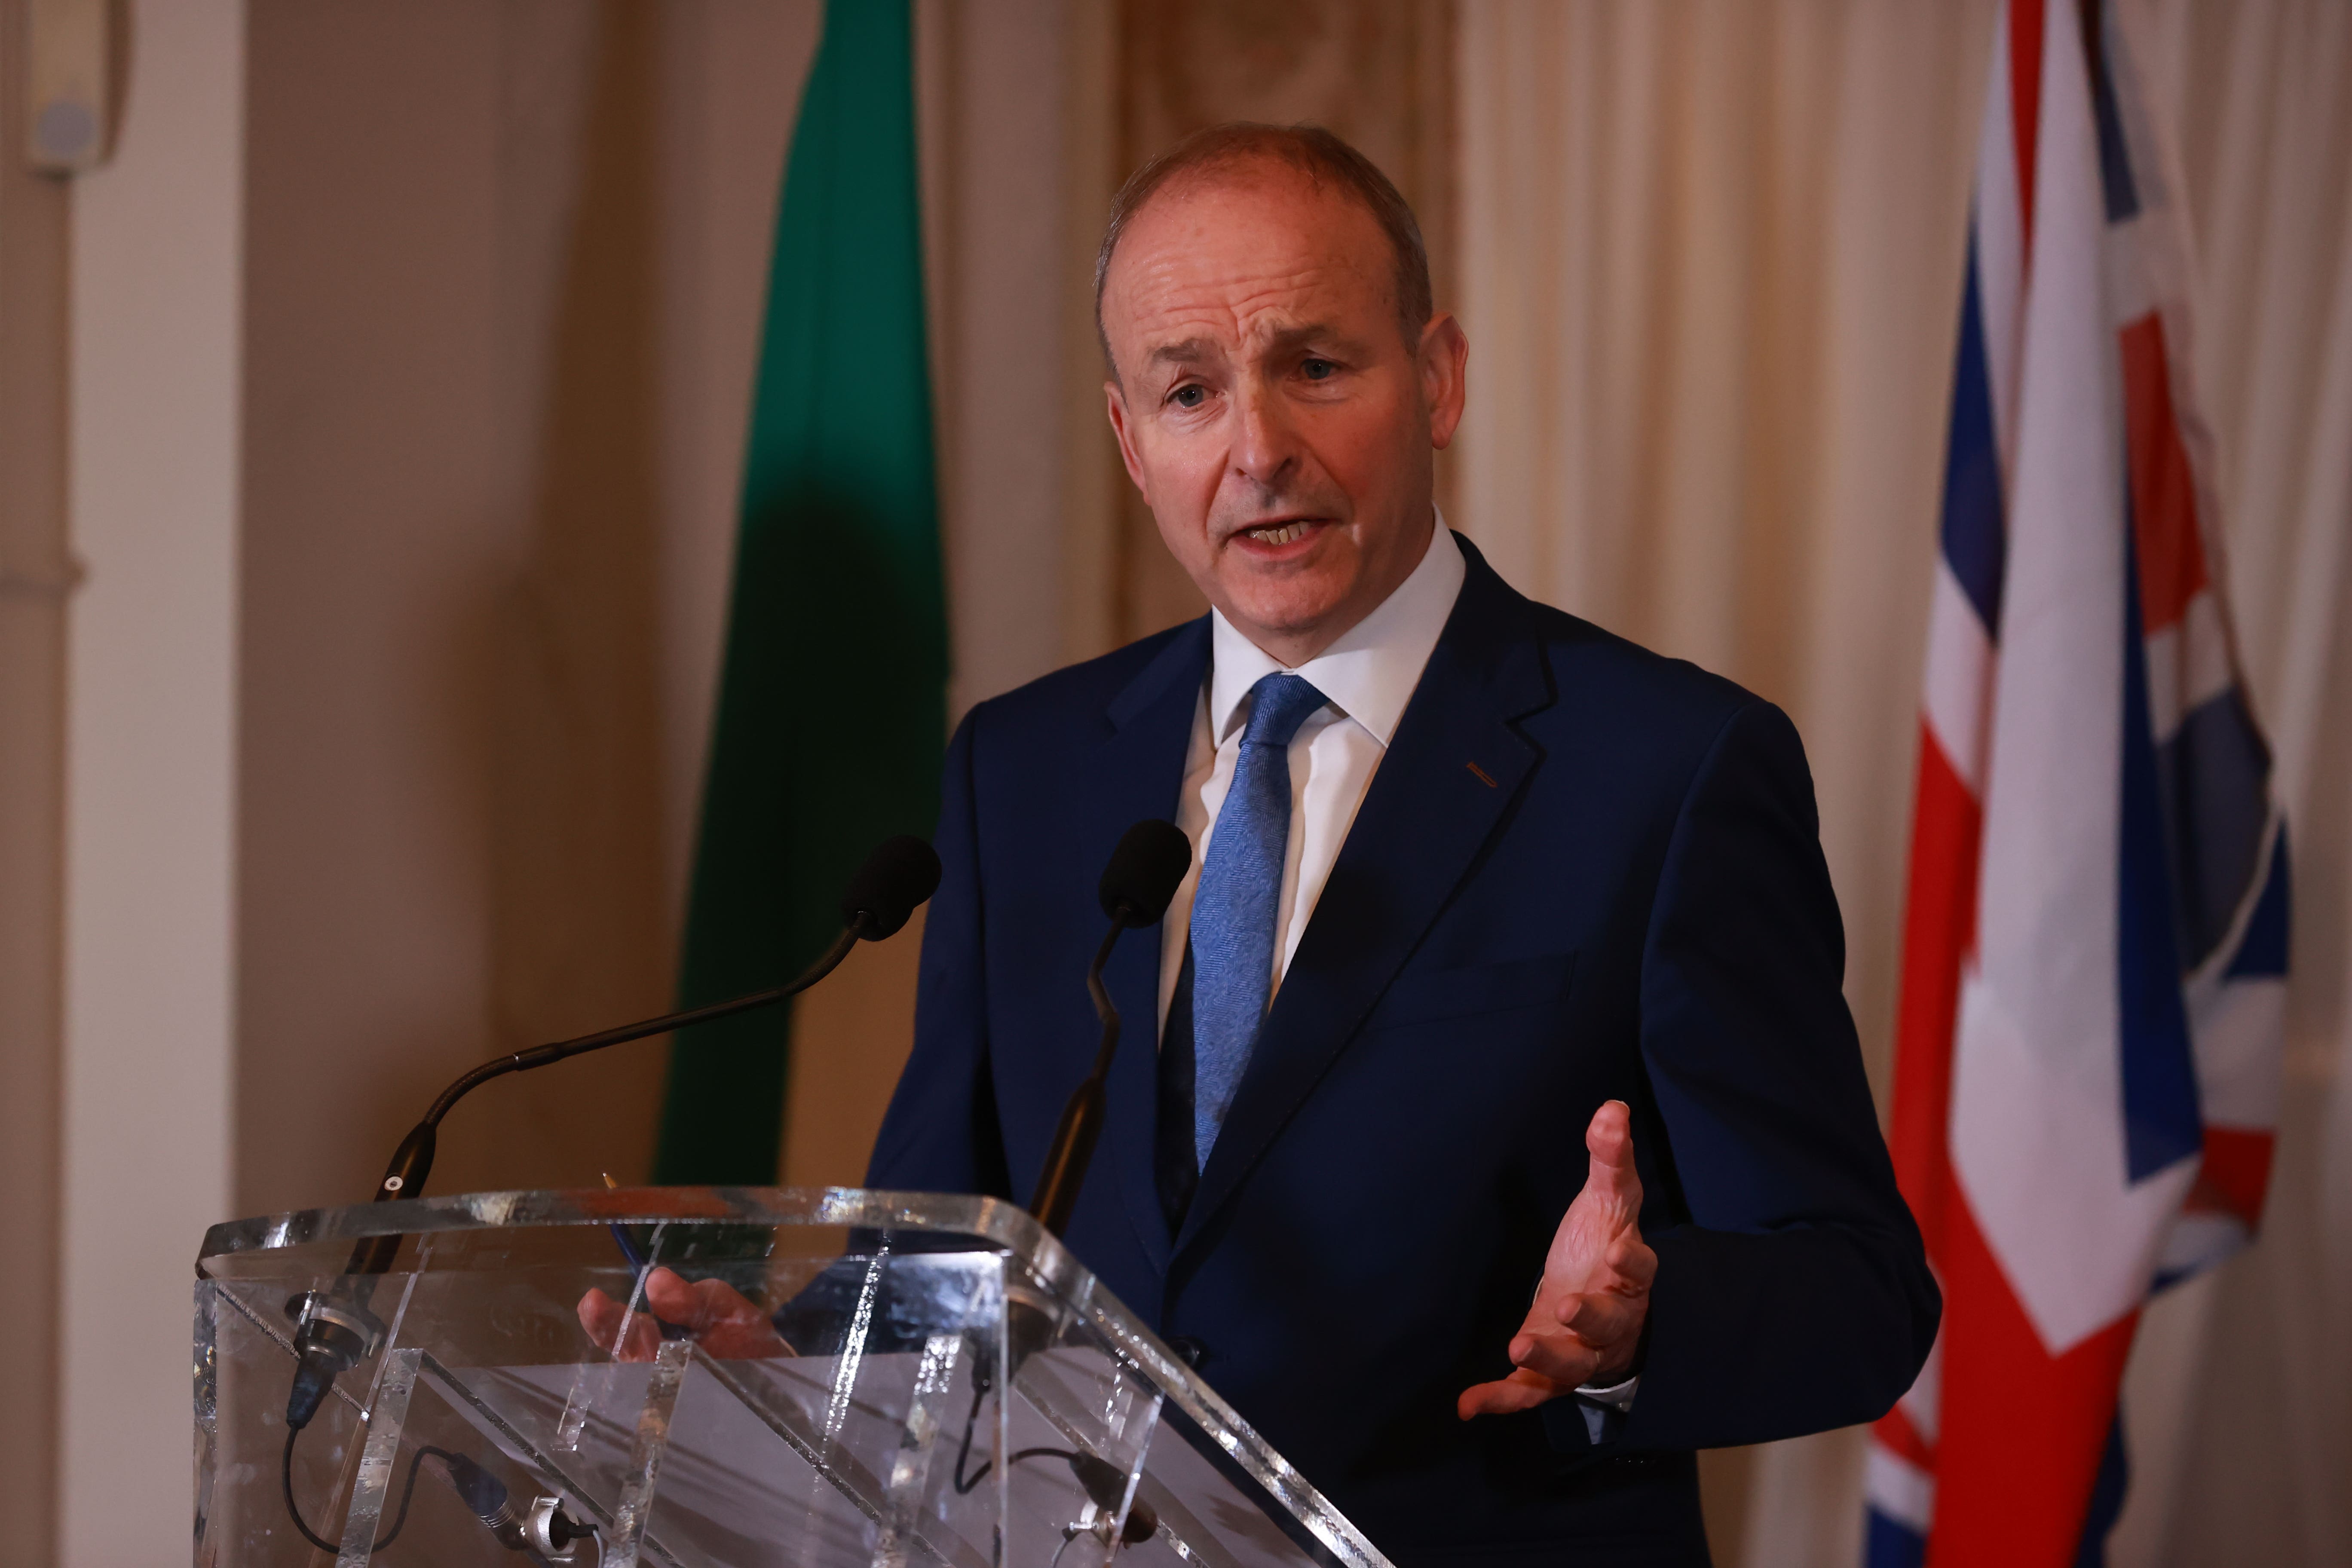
column 1711, row 261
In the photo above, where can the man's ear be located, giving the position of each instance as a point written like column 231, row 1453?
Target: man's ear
column 1444, row 362
column 1116, row 402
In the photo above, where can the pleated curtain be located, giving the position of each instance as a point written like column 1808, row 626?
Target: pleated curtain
column 1710, row 259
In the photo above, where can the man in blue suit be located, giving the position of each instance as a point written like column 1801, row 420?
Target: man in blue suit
column 1472, row 878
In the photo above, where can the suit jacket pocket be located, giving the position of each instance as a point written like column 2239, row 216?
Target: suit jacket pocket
column 1435, row 996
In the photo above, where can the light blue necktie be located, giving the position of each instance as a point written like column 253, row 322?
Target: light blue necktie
column 1233, row 909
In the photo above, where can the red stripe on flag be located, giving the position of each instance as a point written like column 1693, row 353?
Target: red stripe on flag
column 1938, row 930
column 2022, row 1431
column 2235, row 1177
column 2025, row 105
column 2164, row 494
column 1895, row 1433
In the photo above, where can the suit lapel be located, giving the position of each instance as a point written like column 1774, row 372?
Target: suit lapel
column 1450, row 776
column 1141, row 772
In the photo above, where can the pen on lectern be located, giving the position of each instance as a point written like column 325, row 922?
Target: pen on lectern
column 642, row 1261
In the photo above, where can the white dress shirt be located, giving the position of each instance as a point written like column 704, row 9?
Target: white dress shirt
column 1368, row 677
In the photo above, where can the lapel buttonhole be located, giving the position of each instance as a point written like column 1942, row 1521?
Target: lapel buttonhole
column 1482, row 775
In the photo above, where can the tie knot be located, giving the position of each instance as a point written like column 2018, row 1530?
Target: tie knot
column 1279, row 704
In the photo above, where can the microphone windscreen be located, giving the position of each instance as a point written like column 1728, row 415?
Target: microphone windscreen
column 1151, row 860
column 900, row 874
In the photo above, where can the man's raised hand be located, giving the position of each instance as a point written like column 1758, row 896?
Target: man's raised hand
column 1586, row 1323
column 725, row 1321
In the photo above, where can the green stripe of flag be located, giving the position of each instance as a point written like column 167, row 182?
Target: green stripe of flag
column 831, row 712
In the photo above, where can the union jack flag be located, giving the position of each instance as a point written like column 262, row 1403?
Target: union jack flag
column 2088, row 1047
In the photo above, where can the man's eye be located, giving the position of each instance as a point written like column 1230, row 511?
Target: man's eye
column 1318, row 370
column 1190, row 395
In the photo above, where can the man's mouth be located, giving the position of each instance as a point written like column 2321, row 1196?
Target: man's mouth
column 1279, row 534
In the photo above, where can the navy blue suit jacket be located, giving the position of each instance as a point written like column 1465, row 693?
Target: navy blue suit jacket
column 1581, row 872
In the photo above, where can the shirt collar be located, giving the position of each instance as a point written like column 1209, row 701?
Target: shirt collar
column 1369, row 673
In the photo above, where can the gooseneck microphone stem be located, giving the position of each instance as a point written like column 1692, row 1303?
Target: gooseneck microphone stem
column 336, row 1330
column 896, row 880
column 413, row 1160
column 542, row 1056
column 1143, row 875
column 1074, row 1140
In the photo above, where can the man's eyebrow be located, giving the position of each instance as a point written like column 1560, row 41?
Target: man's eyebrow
column 1191, row 351
column 1286, row 338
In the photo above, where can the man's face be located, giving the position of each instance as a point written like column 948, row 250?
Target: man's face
column 1268, row 405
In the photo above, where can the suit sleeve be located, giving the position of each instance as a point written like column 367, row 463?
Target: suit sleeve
column 940, row 1133
column 1792, row 1293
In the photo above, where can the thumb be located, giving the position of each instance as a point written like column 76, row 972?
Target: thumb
column 1609, row 1140
column 668, row 1297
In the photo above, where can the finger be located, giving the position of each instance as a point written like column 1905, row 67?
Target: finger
column 1540, row 1318
column 1562, row 1358
column 668, row 1296
column 1609, row 1140
column 1521, row 1391
column 1633, row 1262
column 1601, row 1319
column 641, row 1338
column 720, row 1302
column 752, row 1340
column 599, row 1315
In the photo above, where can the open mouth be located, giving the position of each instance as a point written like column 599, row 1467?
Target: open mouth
column 1273, row 535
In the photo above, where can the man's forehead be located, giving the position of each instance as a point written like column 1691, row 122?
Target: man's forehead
column 1239, row 264
column 1184, row 324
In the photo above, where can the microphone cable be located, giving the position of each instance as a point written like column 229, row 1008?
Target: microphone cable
column 407, row 1495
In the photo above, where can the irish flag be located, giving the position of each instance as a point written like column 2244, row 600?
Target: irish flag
column 2087, row 1059
column 831, row 718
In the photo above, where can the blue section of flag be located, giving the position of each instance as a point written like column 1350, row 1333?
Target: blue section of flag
column 2115, row 180
column 1974, row 543
column 2106, row 1498
column 2263, row 954
column 1890, row 1543
column 2213, row 774
column 2161, row 1122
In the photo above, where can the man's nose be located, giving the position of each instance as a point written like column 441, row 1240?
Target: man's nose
column 1265, row 446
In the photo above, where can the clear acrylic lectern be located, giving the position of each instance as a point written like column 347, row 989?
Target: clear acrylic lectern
column 484, row 1426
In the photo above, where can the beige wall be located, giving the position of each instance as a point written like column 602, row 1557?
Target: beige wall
column 145, row 1063
column 499, row 373
column 506, row 264
column 445, row 464
column 36, row 570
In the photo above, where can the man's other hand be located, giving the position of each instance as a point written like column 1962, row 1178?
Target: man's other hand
column 725, row 1321
column 1586, row 1323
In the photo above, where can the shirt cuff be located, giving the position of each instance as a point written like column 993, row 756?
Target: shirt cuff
column 1604, row 1407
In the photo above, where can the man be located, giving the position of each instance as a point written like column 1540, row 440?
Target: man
column 1472, row 878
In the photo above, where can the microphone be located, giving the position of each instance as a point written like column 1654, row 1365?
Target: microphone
column 1143, row 874
column 337, row 1330
column 899, row 877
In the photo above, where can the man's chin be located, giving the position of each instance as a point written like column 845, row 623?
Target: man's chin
column 1287, row 609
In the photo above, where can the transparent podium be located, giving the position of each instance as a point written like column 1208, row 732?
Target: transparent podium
column 948, row 1388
